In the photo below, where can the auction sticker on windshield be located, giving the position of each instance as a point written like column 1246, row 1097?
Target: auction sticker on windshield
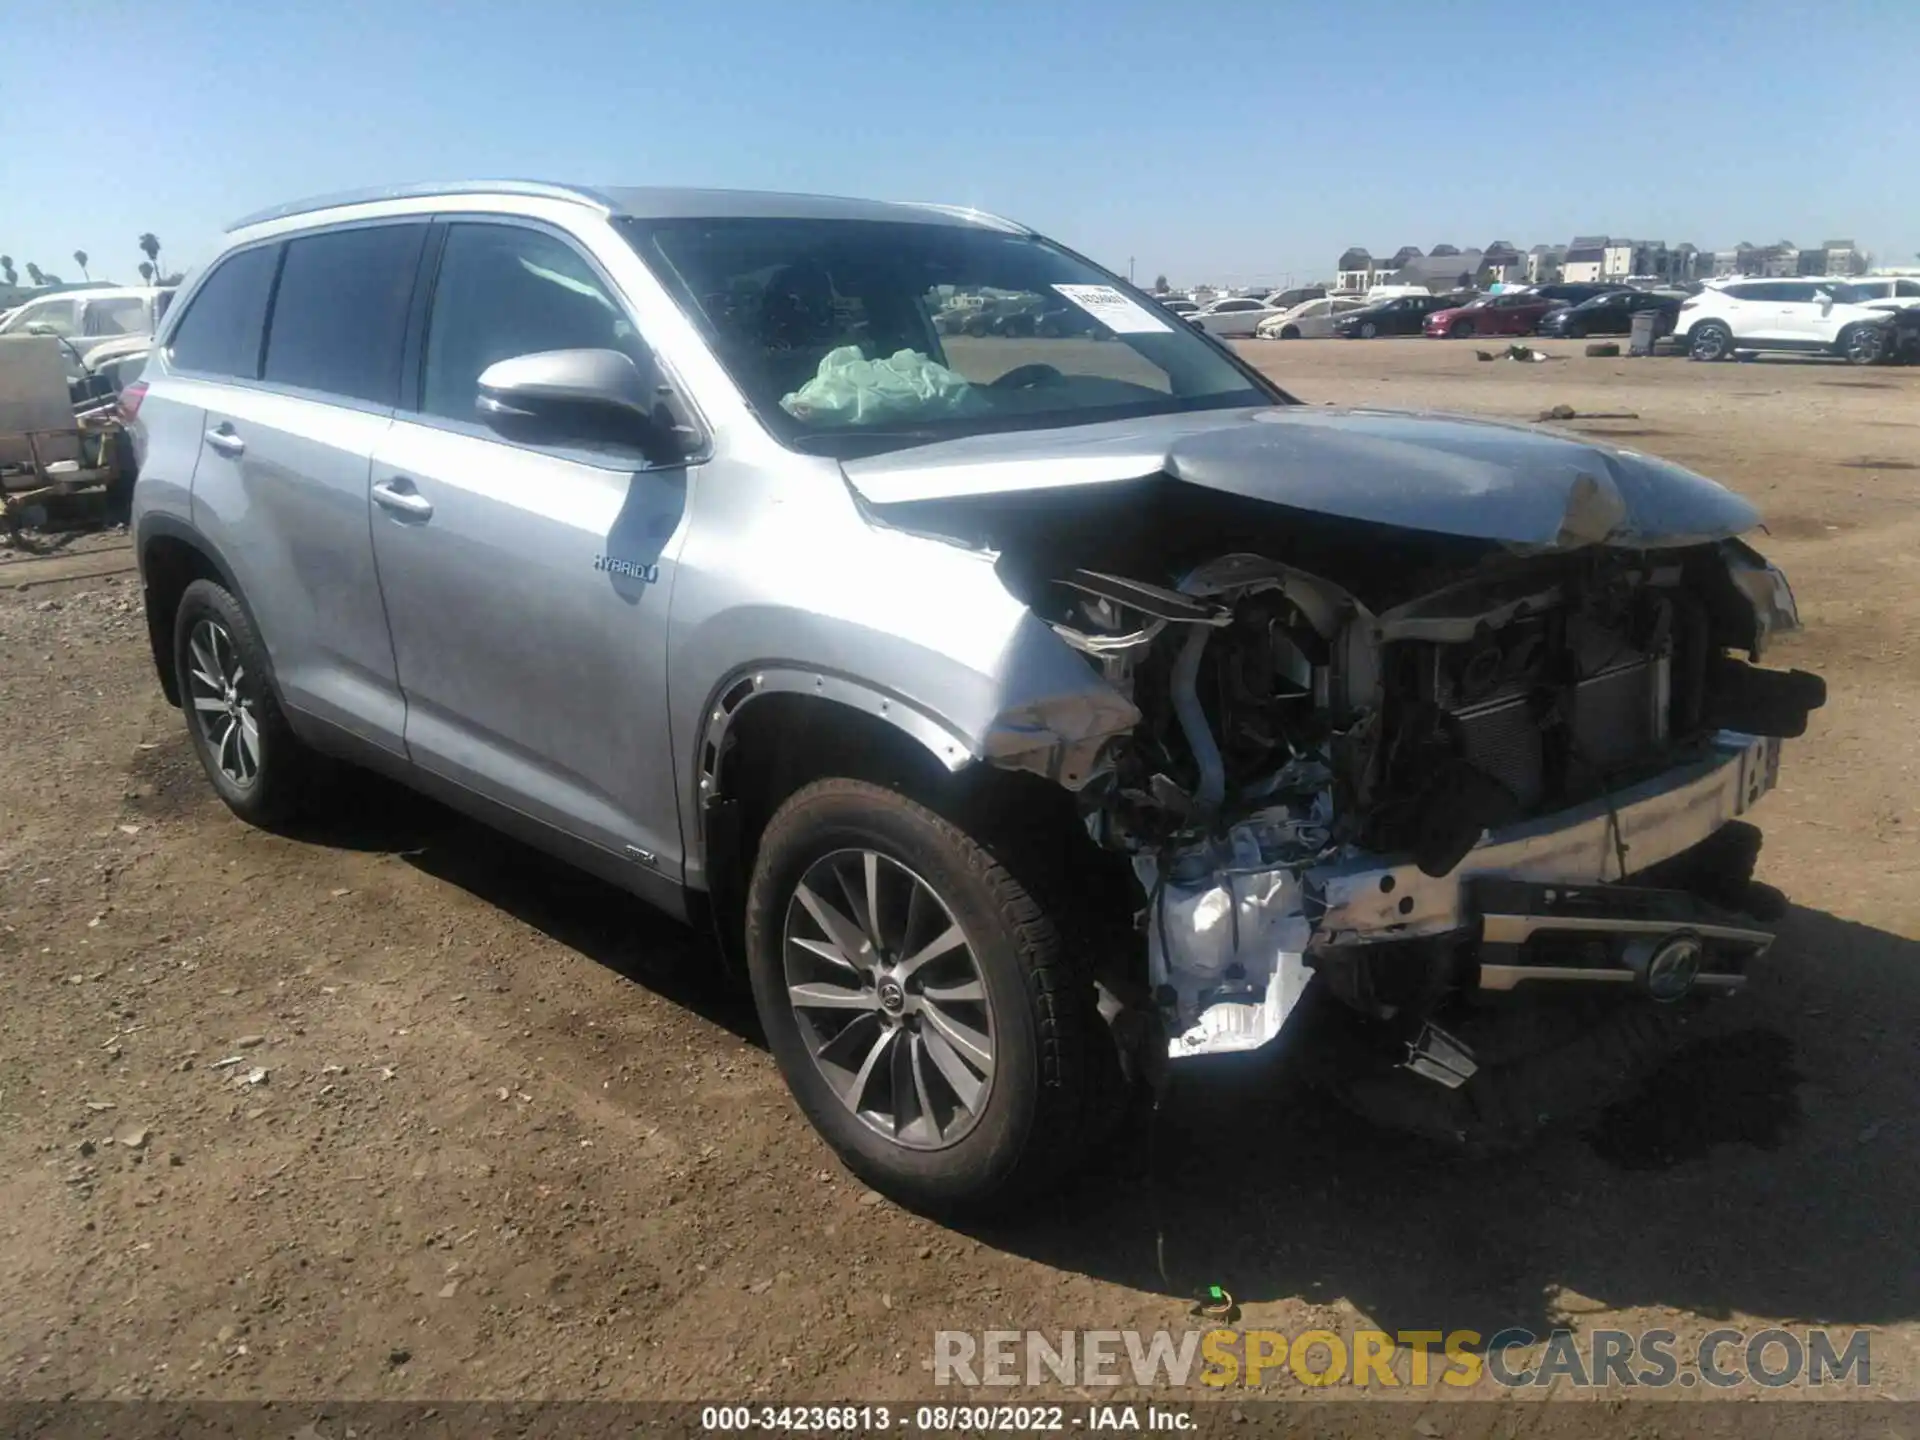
column 1112, row 309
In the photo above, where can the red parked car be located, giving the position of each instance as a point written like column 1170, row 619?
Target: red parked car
column 1515, row 312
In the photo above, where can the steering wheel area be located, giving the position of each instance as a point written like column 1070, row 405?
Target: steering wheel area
column 1029, row 377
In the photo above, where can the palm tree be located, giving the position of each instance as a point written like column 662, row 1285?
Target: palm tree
column 146, row 271
column 150, row 247
column 33, row 274
column 80, row 259
column 7, row 271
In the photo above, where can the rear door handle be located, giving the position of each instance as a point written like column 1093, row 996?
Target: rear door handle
column 399, row 496
column 222, row 438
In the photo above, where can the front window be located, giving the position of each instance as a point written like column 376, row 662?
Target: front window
column 849, row 336
column 62, row 317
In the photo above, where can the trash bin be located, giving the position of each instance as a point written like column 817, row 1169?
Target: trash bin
column 1645, row 323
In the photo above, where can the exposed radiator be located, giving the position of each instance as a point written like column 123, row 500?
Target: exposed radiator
column 1619, row 718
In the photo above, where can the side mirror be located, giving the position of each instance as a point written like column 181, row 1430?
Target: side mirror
column 595, row 399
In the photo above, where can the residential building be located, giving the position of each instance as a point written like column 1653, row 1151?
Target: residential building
column 1544, row 262
column 1444, row 268
column 1835, row 257
column 1585, row 260
column 1742, row 259
column 1780, row 261
column 1501, row 264
column 1354, row 272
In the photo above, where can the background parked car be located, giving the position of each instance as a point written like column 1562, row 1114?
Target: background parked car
column 1236, row 316
column 1806, row 315
column 1177, row 304
column 1574, row 292
column 1611, row 314
column 1883, row 292
column 1309, row 320
column 1298, row 295
column 85, row 316
column 1402, row 315
column 1514, row 312
column 1902, row 346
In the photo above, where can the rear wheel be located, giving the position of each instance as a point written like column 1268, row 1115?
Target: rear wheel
column 918, row 1001
column 250, row 753
column 1709, row 340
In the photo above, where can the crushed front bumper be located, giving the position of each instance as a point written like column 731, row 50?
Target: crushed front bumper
column 1371, row 899
column 1231, row 960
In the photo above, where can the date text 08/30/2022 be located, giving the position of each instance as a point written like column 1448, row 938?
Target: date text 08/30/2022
column 938, row 1419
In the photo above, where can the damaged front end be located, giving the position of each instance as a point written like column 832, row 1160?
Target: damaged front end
column 1406, row 749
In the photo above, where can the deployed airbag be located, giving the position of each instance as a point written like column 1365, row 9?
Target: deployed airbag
column 850, row 389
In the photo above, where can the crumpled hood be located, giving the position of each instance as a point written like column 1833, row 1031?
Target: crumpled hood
column 1520, row 485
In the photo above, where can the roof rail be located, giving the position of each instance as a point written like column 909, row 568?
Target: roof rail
column 967, row 212
column 537, row 189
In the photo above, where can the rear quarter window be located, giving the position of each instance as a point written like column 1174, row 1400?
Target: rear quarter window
column 220, row 333
column 340, row 312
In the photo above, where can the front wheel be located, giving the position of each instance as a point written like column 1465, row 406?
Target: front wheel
column 917, row 1000
column 1460, row 330
column 1863, row 344
column 1369, row 330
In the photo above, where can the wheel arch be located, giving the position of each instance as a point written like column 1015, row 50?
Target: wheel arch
column 768, row 730
column 172, row 555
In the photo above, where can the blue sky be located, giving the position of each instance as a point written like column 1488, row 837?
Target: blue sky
column 1211, row 140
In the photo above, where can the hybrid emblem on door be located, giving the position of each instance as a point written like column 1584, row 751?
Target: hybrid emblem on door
column 636, row 569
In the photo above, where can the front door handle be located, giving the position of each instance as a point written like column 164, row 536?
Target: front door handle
column 401, row 498
column 222, row 438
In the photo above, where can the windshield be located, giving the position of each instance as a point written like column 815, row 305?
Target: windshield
column 849, row 336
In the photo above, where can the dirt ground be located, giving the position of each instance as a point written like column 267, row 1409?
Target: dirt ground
column 397, row 1108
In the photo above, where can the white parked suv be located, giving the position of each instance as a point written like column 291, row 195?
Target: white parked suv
column 1822, row 316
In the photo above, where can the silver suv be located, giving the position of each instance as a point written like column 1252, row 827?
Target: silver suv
column 1028, row 715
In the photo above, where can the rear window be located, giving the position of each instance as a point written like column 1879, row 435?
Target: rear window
column 116, row 317
column 220, row 333
column 340, row 313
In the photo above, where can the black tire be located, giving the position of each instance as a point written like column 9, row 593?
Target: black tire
column 1863, row 344
column 1709, row 341
column 1369, row 330
column 1289, row 332
column 282, row 767
column 1040, row 1105
column 1460, row 330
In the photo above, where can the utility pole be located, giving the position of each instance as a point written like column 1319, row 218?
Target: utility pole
column 1130, row 269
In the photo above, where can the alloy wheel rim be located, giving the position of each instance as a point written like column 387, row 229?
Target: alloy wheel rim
column 1709, row 345
column 889, row 998
column 225, row 716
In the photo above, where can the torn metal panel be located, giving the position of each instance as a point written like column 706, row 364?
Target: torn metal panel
column 1059, row 736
